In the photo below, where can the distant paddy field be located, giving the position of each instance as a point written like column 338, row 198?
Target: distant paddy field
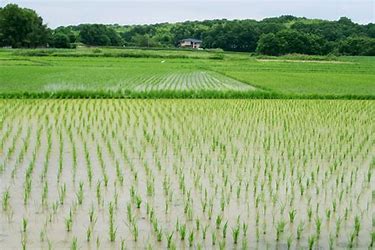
column 131, row 73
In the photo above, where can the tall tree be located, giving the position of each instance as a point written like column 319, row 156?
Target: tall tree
column 21, row 27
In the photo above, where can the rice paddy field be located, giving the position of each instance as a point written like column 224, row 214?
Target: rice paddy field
column 127, row 73
column 186, row 173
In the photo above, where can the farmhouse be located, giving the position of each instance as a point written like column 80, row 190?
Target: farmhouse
column 190, row 43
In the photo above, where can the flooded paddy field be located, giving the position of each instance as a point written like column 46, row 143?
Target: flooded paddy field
column 246, row 174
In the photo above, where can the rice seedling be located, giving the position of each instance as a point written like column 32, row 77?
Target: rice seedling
column 159, row 235
column 191, row 238
column 122, row 246
column 318, row 224
column 300, row 230
column 352, row 238
column 292, row 215
column 222, row 244
column 289, row 242
column 62, row 194
column 331, row 241
column 69, row 222
column 357, row 225
column 213, row 238
column 5, row 201
column 311, row 241
column 24, row 242
column 372, row 240
column 112, row 229
column 182, row 231
column 24, row 225
column 235, row 234
column 74, row 244
column 245, row 227
column 218, row 221
column 169, row 240
column 204, row 232
column 338, row 227
column 280, row 229
column 225, row 227
column 88, row 233
column 80, row 194
column 134, row 230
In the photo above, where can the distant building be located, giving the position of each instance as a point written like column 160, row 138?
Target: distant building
column 190, row 43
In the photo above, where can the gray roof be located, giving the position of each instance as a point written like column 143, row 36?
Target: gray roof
column 191, row 40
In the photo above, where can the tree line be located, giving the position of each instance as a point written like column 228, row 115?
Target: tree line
column 21, row 27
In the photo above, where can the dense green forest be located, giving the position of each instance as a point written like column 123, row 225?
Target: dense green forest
column 21, row 27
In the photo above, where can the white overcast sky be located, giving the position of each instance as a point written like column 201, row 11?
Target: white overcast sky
column 65, row 12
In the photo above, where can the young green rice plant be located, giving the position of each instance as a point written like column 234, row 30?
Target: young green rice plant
column 318, row 224
column 189, row 213
column 159, row 234
column 169, row 240
column 191, row 238
column 24, row 225
column 112, row 229
column 69, row 222
column 292, row 215
column 225, row 227
column 209, row 212
column 309, row 214
column 24, row 242
column 213, row 238
column 122, row 246
column 138, row 201
column 289, row 241
column 311, row 241
column 62, row 194
column 357, row 225
column 372, row 243
column 105, row 179
column 244, row 244
column 197, row 224
column 134, row 230
column 352, row 238
column 120, row 176
column 182, row 231
column 222, row 203
column 5, row 200
column 45, row 194
column 204, row 231
column 98, row 193
column 88, row 233
column 74, row 245
column 280, row 229
column 300, row 228
column 92, row 217
column 331, row 241
column 218, row 221
column 130, row 213
column 155, row 224
column 235, row 234
column 80, row 193
column 338, row 226
column 328, row 214
column 245, row 227
column 150, row 188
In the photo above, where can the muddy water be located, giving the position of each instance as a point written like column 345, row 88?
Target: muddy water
column 253, row 156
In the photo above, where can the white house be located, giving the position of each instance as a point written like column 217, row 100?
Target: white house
column 191, row 43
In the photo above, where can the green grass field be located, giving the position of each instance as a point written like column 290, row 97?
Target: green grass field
column 173, row 73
